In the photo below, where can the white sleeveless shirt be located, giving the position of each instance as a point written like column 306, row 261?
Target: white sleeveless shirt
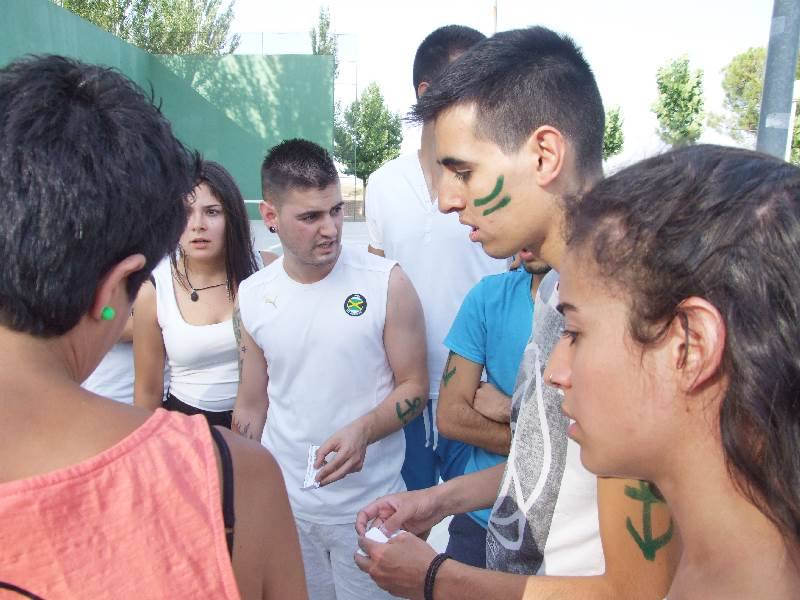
column 113, row 377
column 203, row 359
column 327, row 366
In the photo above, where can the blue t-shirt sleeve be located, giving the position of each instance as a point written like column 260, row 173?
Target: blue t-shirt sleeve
column 467, row 336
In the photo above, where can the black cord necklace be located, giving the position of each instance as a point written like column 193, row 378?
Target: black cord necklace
column 194, row 296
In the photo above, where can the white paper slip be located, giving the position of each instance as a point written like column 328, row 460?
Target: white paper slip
column 310, row 482
column 376, row 535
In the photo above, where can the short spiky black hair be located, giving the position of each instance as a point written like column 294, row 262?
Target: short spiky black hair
column 90, row 173
column 520, row 80
column 296, row 163
column 440, row 48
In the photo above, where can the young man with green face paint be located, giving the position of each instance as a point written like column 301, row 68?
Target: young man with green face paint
column 519, row 128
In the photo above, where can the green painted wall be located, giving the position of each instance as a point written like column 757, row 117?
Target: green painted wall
column 231, row 108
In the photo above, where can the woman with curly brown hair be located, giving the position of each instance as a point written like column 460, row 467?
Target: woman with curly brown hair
column 680, row 358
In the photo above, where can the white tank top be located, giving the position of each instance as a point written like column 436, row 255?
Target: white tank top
column 327, row 366
column 203, row 359
column 113, row 377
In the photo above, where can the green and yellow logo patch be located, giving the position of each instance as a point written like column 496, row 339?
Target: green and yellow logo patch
column 355, row 305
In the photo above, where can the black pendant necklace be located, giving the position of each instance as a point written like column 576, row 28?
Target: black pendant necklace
column 194, row 295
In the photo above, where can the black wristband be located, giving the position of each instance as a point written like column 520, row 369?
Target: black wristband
column 430, row 576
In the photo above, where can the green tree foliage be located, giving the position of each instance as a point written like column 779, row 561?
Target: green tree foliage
column 679, row 108
column 323, row 41
column 613, row 137
column 163, row 26
column 366, row 134
column 743, row 79
column 795, row 157
column 743, row 82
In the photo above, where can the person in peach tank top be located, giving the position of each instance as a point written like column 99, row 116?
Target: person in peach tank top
column 99, row 499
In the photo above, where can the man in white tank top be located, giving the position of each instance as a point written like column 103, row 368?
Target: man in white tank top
column 332, row 349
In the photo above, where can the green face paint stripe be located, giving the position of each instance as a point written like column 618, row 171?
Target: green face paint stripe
column 646, row 542
column 486, row 199
column 498, row 206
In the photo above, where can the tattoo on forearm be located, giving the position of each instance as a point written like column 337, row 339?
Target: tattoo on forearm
column 411, row 410
column 448, row 372
column 504, row 201
column 237, row 333
column 241, row 429
column 648, row 544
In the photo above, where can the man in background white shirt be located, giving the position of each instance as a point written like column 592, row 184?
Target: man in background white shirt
column 405, row 225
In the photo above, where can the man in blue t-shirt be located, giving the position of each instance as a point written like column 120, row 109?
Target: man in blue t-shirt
column 489, row 334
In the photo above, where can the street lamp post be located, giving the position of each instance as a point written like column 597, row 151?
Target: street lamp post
column 792, row 118
column 773, row 123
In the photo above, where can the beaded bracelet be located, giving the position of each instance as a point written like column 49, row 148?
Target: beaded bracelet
column 430, row 576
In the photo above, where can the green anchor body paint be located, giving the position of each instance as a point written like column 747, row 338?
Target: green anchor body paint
column 646, row 542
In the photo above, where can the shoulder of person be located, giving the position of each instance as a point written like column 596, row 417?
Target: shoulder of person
column 493, row 285
column 264, row 258
column 162, row 271
column 257, row 478
column 391, row 170
column 250, row 459
column 262, row 276
column 503, row 278
column 361, row 259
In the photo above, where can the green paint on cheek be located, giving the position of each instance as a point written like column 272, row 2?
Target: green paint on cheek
column 498, row 187
column 486, row 199
column 498, row 206
column 648, row 544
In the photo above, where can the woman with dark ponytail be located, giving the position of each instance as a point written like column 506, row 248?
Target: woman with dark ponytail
column 680, row 360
